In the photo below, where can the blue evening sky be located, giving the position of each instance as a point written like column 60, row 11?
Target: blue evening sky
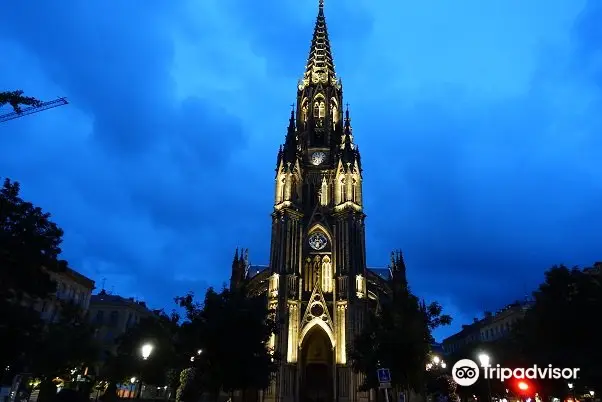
column 479, row 123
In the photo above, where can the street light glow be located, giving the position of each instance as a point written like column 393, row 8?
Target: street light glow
column 523, row 386
column 198, row 352
column 570, row 385
column 146, row 350
column 133, row 380
column 484, row 359
column 443, row 365
column 592, row 393
column 436, row 359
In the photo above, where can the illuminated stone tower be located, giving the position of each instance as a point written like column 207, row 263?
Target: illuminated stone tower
column 317, row 280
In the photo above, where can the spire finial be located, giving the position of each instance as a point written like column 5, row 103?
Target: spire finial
column 321, row 3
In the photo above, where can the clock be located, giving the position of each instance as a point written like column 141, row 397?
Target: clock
column 318, row 241
column 317, row 158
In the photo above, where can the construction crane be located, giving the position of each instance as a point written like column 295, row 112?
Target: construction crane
column 34, row 109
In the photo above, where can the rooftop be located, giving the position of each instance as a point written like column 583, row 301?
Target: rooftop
column 108, row 299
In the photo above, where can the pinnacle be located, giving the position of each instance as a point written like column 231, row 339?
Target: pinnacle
column 320, row 55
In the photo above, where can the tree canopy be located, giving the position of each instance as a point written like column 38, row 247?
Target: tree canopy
column 160, row 331
column 232, row 329
column 29, row 247
column 398, row 336
column 29, row 251
column 65, row 345
column 561, row 326
column 15, row 99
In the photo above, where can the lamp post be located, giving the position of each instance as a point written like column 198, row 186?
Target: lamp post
column 571, row 391
column 146, row 350
column 592, row 394
column 133, row 387
column 435, row 364
column 484, row 360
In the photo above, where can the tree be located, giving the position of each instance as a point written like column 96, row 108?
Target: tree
column 398, row 336
column 561, row 327
column 65, row 347
column 16, row 99
column 443, row 386
column 29, row 247
column 29, row 251
column 160, row 331
column 232, row 329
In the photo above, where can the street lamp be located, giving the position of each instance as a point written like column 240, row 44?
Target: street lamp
column 484, row 360
column 571, row 391
column 133, row 388
column 592, row 393
column 436, row 362
column 146, row 350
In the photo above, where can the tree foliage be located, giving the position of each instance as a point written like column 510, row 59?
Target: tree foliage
column 65, row 345
column 232, row 329
column 561, row 327
column 29, row 251
column 29, row 247
column 160, row 331
column 15, row 99
column 398, row 337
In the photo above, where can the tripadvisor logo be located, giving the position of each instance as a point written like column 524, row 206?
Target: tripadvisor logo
column 466, row 372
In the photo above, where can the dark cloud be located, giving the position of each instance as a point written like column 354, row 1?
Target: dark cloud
column 478, row 124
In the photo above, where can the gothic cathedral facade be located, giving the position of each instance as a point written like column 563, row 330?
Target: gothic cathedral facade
column 317, row 280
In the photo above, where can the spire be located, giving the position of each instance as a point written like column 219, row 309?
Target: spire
column 398, row 269
column 320, row 56
column 288, row 152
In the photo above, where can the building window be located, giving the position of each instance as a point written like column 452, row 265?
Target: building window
column 100, row 316
column 114, row 318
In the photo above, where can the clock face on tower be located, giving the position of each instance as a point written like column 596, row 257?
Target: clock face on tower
column 317, row 158
column 317, row 241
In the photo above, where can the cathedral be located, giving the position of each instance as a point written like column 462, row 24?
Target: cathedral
column 317, row 280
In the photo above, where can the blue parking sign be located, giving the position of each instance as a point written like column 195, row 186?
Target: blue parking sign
column 384, row 375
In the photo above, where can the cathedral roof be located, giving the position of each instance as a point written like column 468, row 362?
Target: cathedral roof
column 320, row 55
column 384, row 273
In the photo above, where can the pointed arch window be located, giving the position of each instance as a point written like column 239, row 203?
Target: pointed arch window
column 307, row 276
column 304, row 111
column 324, row 192
column 282, row 188
column 326, row 275
column 319, row 108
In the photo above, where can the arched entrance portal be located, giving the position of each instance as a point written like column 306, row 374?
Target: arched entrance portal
column 316, row 366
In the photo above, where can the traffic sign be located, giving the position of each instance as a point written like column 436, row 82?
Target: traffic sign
column 384, row 385
column 384, row 375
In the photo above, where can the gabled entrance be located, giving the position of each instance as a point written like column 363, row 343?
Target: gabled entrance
column 316, row 366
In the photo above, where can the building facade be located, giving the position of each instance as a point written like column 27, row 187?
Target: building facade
column 488, row 329
column 112, row 315
column 71, row 286
column 317, row 280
